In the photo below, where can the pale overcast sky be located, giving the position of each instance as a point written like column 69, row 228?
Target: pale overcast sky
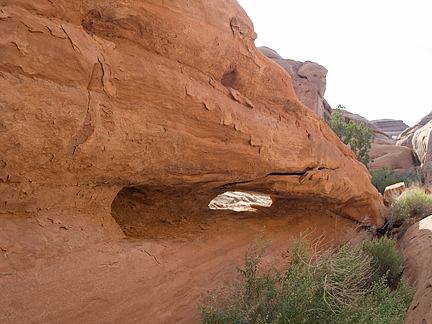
column 378, row 52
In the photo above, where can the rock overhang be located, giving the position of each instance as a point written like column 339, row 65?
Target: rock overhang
column 98, row 100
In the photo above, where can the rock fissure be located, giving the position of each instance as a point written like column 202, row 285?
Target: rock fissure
column 74, row 47
column 287, row 174
column 87, row 129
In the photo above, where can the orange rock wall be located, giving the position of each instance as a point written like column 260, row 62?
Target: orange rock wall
column 101, row 95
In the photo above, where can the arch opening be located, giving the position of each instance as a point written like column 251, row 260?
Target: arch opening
column 240, row 201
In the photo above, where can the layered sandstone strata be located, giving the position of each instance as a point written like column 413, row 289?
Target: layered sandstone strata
column 392, row 127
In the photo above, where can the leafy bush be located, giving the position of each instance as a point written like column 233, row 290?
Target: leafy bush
column 384, row 177
column 333, row 286
column 358, row 138
column 412, row 202
column 386, row 259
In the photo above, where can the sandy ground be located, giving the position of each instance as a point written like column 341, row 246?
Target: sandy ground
column 159, row 277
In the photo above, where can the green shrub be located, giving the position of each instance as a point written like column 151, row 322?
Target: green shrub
column 380, row 306
column 384, row 177
column 358, row 138
column 333, row 286
column 386, row 258
column 413, row 202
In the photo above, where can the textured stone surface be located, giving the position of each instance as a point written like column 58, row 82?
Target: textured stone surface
column 416, row 246
column 405, row 138
column 392, row 127
column 154, row 280
column 419, row 139
column 129, row 117
column 308, row 79
column 97, row 96
column 399, row 158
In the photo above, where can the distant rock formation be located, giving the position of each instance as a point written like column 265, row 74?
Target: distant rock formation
column 384, row 153
column 309, row 81
column 270, row 53
column 381, row 137
column 419, row 139
column 399, row 158
column 405, row 138
column 392, row 127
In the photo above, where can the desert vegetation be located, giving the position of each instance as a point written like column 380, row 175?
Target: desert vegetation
column 412, row 203
column 384, row 177
column 355, row 283
column 358, row 138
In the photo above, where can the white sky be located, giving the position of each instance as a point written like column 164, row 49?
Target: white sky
column 378, row 52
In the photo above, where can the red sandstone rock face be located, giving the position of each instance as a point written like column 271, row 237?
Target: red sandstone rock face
column 98, row 95
column 143, row 112
column 153, row 280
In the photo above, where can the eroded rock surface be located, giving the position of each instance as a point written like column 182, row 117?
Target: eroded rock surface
column 129, row 117
column 156, row 280
column 97, row 96
column 418, row 138
column 416, row 245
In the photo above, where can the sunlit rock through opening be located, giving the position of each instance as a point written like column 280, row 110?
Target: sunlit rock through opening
column 240, row 201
